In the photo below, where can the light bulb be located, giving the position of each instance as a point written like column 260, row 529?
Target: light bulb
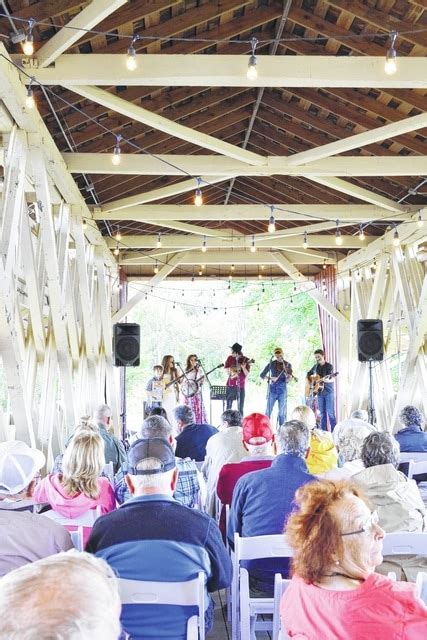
column 271, row 225
column 324, row 265
column 390, row 66
column 116, row 251
column 361, row 234
column 198, row 197
column 29, row 100
column 159, row 241
column 131, row 63
column 84, row 224
column 118, row 236
column 253, row 246
column 252, row 72
column 420, row 221
column 156, row 269
column 115, row 159
column 28, row 46
column 204, row 246
column 396, row 239
column 305, row 243
column 338, row 238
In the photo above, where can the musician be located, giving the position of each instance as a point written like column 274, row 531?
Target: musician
column 325, row 397
column 191, row 389
column 171, row 391
column 279, row 372
column 237, row 366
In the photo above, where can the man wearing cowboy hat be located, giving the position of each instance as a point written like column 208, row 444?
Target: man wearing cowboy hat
column 237, row 367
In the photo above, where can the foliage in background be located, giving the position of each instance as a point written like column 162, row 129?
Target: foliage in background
column 209, row 332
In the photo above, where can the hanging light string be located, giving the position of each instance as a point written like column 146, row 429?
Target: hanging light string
column 210, row 41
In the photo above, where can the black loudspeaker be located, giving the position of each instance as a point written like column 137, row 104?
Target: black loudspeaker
column 370, row 340
column 126, row 343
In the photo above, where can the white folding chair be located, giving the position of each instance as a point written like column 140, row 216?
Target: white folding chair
column 108, row 470
column 280, row 586
column 77, row 538
column 87, row 518
column 416, row 456
column 417, row 468
column 405, row 542
column 421, row 584
column 245, row 610
column 189, row 593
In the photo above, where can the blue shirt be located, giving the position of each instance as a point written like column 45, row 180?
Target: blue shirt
column 412, row 438
column 155, row 538
column 191, row 442
column 275, row 369
column 262, row 501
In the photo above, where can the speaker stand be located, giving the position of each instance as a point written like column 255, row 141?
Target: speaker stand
column 371, row 409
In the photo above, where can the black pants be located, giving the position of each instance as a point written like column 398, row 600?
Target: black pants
column 235, row 393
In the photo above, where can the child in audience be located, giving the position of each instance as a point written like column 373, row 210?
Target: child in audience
column 155, row 388
column 78, row 488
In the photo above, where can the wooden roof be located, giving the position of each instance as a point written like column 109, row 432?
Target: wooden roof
column 273, row 121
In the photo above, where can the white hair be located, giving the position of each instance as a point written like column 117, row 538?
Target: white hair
column 67, row 596
column 162, row 481
column 102, row 412
column 360, row 414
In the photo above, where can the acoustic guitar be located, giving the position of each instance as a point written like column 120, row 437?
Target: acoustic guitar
column 316, row 384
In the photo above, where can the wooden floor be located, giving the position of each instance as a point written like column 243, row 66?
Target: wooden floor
column 222, row 629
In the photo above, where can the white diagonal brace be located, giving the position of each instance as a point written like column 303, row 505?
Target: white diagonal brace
column 91, row 15
column 155, row 120
column 163, row 273
column 164, row 192
column 307, row 286
column 35, row 303
column 189, row 228
column 359, row 192
column 361, row 139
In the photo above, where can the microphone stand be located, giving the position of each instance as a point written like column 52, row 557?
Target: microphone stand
column 268, row 383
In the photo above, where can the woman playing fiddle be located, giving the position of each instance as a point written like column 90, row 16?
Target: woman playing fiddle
column 191, row 389
column 278, row 372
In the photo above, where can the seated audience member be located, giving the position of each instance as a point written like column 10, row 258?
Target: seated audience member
column 24, row 536
column 258, row 442
column 412, row 437
column 69, row 596
column 322, row 455
column 223, row 447
column 357, row 419
column 78, row 488
column 396, row 499
column 188, row 484
column 334, row 592
column 153, row 537
column 262, row 500
column 192, row 438
column 159, row 411
column 349, row 443
column 114, row 450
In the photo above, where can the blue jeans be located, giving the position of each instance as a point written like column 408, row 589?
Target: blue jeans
column 326, row 404
column 279, row 394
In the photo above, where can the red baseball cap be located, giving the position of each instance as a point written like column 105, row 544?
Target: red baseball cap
column 256, row 429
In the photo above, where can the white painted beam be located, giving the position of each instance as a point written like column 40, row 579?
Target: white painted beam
column 361, row 140
column 159, row 122
column 174, row 165
column 173, row 70
column 173, row 242
column 358, row 192
column 227, row 213
column 88, row 18
column 164, row 271
column 224, row 257
column 190, row 228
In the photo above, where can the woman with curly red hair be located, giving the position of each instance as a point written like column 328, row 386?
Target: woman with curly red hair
column 334, row 593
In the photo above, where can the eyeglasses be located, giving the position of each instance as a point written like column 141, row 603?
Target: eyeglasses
column 367, row 526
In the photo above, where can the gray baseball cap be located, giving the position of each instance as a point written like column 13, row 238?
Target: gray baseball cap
column 155, row 448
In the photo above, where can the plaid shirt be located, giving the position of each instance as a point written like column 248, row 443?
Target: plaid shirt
column 187, row 487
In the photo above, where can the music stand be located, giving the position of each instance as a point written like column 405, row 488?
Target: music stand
column 217, row 392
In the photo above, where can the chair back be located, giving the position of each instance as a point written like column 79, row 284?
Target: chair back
column 280, row 586
column 77, row 538
column 108, row 471
column 188, row 593
column 86, row 519
column 416, row 468
column 416, row 456
column 255, row 547
column 421, row 585
column 404, row 542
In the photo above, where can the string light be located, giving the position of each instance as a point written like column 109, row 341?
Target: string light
column 253, row 245
column 374, row 265
column 338, row 236
column 305, row 242
column 200, row 271
column 390, row 66
column 131, row 62
column 396, row 239
column 84, row 224
column 324, row 264
column 272, row 222
column 28, row 46
column 198, row 197
column 116, row 250
column 159, row 241
column 204, row 246
column 118, row 236
column 252, row 72
column 420, row 220
column 361, row 233
column 156, row 268
column 29, row 100
column 116, row 158
column 232, row 267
